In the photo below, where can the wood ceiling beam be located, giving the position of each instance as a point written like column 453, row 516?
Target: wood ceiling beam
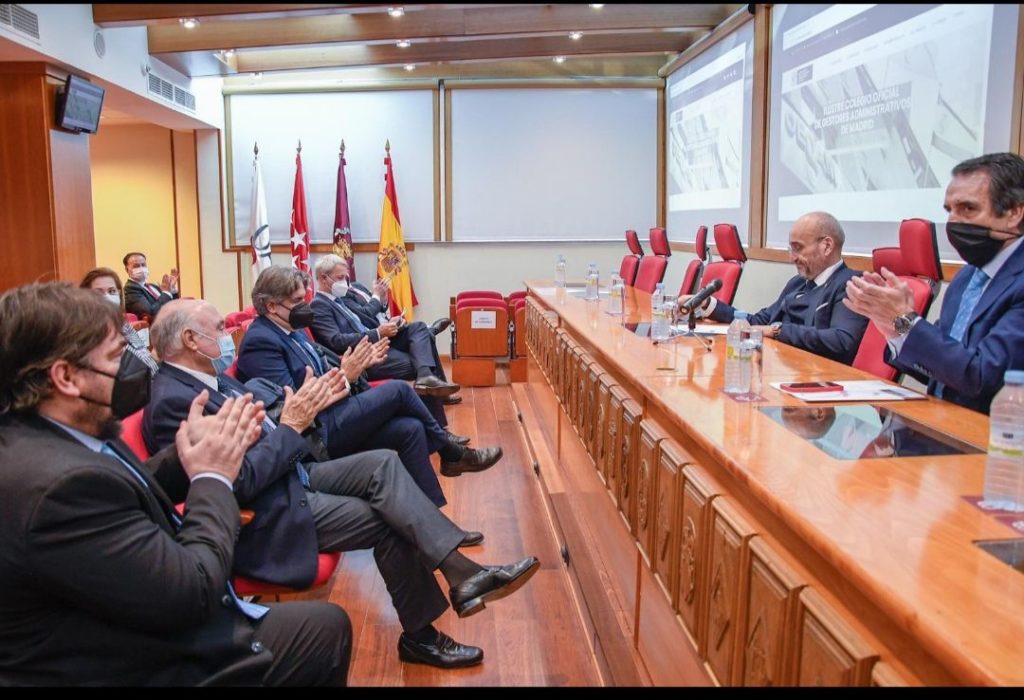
column 374, row 26
column 436, row 52
column 134, row 15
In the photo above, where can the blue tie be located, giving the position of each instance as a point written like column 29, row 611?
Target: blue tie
column 300, row 338
column 967, row 303
column 250, row 610
column 352, row 318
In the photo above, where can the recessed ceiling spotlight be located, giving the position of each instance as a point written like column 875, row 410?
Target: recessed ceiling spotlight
column 188, row 22
column 596, row 7
column 410, row 66
column 396, row 11
column 404, row 44
column 575, row 36
column 258, row 75
column 228, row 53
column 559, row 59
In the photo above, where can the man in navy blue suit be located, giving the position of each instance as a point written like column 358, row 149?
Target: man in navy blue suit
column 980, row 333
column 302, row 506
column 390, row 416
column 808, row 314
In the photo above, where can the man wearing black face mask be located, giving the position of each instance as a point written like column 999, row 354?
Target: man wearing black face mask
column 101, row 581
column 980, row 332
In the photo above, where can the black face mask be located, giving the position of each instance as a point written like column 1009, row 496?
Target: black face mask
column 973, row 243
column 131, row 386
column 300, row 316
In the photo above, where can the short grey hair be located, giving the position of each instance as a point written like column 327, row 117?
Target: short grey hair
column 326, row 264
column 276, row 284
column 828, row 226
column 174, row 318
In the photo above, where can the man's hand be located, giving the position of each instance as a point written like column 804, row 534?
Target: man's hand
column 301, row 407
column 379, row 352
column 224, row 437
column 380, row 288
column 169, row 283
column 337, row 386
column 767, row 331
column 355, row 360
column 388, row 330
column 880, row 297
column 683, row 298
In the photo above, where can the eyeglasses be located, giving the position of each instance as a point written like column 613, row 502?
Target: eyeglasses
column 797, row 248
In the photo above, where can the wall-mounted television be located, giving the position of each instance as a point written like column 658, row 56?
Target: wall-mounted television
column 79, row 105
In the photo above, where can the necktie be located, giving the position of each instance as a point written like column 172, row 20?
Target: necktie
column 300, row 339
column 269, row 426
column 352, row 318
column 250, row 610
column 963, row 314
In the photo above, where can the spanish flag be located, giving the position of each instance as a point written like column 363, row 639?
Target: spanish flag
column 392, row 261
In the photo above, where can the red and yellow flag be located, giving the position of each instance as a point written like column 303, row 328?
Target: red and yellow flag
column 392, row 260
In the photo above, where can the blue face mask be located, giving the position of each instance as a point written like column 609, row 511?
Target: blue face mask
column 227, row 352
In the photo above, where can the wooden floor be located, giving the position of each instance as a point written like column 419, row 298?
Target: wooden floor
column 533, row 637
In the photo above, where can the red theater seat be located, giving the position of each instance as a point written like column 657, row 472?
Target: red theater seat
column 652, row 267
column 631, row 261
column 730, row 267
column 695, row 268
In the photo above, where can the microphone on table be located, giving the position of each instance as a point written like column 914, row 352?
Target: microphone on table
column 697, row 299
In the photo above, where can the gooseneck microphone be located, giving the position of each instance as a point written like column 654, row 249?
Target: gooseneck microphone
column 697, row 299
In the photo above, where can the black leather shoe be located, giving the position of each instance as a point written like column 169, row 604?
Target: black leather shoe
column 472, row 539
column 439, row 326
column 494, row 582
column 432, row 386
column 473, row 460
column 444, row 653
column 458, row 439
column 451, row 400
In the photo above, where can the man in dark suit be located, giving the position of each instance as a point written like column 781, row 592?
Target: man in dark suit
column 140, row 296
column 389, row 416
column 366, row 500
column 336, row 324
column 101, row 582
column 809, row 313
column 980, row 333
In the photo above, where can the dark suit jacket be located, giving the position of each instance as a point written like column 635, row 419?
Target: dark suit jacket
column 141, row 303
column 972, row 369
column 96, row 587
column 816, row 321
column 279, row 545
column 366, row 310
column 335, row 330
column 267, row 351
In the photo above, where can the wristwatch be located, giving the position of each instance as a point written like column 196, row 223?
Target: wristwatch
column 776, row 327
column 903, row 323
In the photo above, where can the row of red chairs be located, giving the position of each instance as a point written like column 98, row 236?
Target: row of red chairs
column 476, row 350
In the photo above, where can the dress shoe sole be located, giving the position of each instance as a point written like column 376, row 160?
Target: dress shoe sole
column 469, row 542
column 475, row 605
column 410, row 658
column 441, row 391
column 452, row 400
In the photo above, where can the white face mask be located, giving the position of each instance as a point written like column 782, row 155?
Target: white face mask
column 339, row 289
column 114, row 298
column 140, row 274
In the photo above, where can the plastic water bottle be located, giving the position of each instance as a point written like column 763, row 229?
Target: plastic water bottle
column 754, row 342
column 657, row 298
column 560, row 271
column 615, row 295
column 1004, row 469
column 737, row 355
column 593, row 276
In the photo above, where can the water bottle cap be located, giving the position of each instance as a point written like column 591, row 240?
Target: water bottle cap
column 740, row 315
column 1014, row 376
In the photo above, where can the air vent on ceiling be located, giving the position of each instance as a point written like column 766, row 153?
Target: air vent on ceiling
column 171, row 92
column 21, row 20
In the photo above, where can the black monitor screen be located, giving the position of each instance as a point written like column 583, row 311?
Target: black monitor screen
column 80, row 105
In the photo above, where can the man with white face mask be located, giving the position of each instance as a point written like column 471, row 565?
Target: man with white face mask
column 141, row 297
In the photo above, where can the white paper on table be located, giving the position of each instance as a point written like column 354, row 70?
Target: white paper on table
column 855, row 390
column 703, row 328
column 545, row 291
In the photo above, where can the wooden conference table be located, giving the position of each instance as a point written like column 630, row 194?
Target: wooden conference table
column 709, row 544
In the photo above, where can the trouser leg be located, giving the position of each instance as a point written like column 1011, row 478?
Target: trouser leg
column 311, row 643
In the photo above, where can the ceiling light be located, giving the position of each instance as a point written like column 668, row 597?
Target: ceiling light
column 596, row 7
column 575, row 36
column 404, row 44
column 410, row 66
column 396, row 11
column 559, row 59
column 228, row 53
column 188, row 22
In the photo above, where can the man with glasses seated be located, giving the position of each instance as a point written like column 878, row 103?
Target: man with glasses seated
column 809, row 314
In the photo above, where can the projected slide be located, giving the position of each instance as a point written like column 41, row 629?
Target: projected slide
column 872, row 106
column 706, row 133
column 707, row 146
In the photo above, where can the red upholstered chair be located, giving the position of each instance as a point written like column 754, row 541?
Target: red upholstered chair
column 889, row 258
column 475, row 351
column 730, row 267
column 631, row 261
column 235, row 318
column 478, row 294
column 652, row 267
column 130, row 317
column 131, row 434
column 694, row 268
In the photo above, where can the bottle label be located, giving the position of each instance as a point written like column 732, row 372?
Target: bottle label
column 1006, row 443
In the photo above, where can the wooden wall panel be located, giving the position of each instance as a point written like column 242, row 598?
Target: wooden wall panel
column 630, row 444
column 651, row 436
column 830, row 653
column 694, row 517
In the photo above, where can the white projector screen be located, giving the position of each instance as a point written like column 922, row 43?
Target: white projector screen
column 554, row 163
column 365, row 120
column 708, row 104
column 872, row 105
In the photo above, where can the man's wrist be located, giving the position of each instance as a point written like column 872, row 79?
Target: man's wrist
column 212, row 475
